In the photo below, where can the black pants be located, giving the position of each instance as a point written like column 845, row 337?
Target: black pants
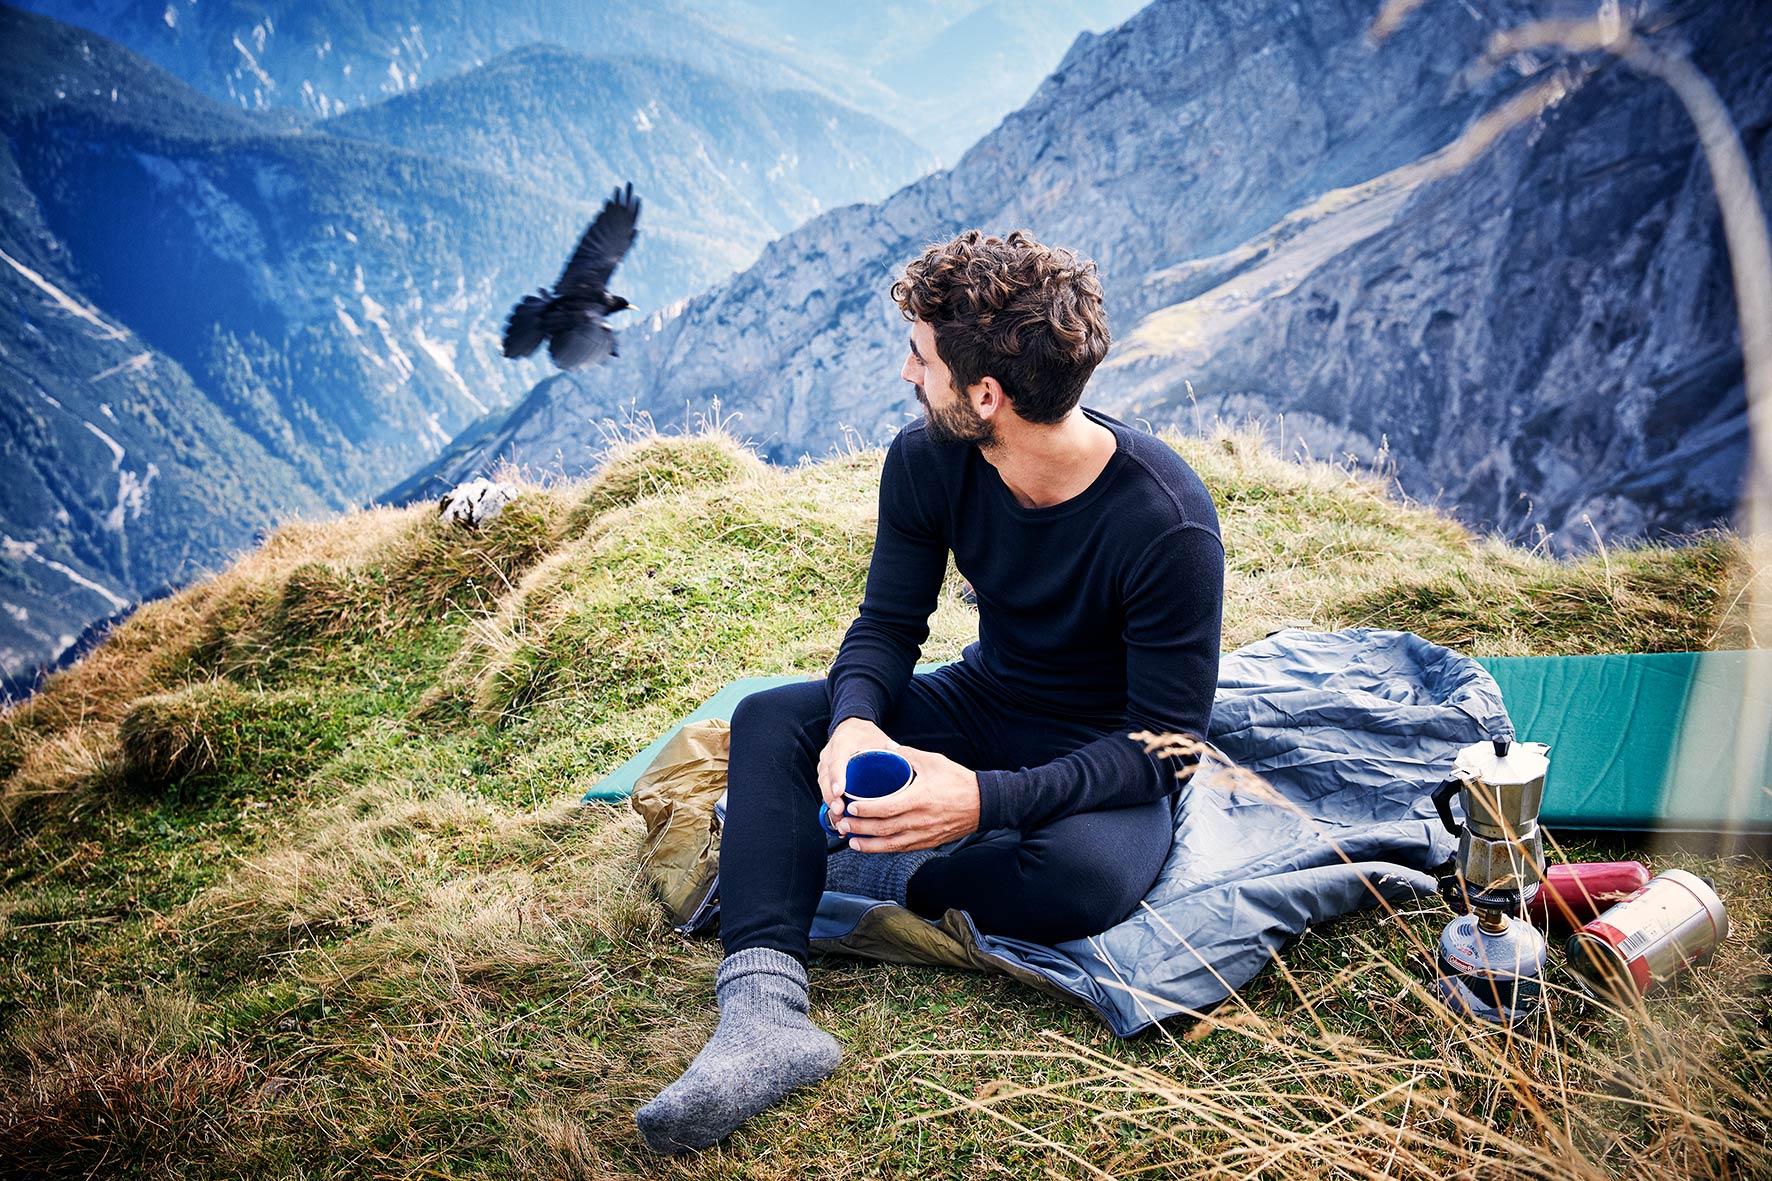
column 1073, row 877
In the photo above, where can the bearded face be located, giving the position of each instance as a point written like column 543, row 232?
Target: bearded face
column 956, row 422
column 948, row 416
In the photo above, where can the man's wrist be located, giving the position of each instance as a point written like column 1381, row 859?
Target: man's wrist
column 992, row 788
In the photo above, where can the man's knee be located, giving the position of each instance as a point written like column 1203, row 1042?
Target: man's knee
column 1082, row 889
column 784, row 712
column 1078, row 896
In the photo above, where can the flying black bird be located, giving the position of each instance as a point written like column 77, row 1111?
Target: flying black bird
column 571, row 316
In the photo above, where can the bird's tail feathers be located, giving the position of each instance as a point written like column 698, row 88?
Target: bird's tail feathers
column 523, row 331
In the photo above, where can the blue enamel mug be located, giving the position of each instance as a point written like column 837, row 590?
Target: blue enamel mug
column 868, row 775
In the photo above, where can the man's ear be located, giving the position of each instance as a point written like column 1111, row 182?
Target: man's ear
column 988, row 397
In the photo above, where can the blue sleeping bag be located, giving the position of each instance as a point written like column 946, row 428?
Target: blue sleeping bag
column 1352, row 730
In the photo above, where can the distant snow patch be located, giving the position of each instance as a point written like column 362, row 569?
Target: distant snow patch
column 442, row 354
column 18, row 613
column 373, row 313
column 139, row 363
column 26, row 551
column 171, row 17
column 132, row 496
column 116, row 447
column 65, row 301
column 252, row 65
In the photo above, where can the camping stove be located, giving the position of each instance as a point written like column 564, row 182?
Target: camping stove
column 1491, row 963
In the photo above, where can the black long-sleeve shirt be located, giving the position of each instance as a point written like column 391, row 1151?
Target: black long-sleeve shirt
column 1105, row 608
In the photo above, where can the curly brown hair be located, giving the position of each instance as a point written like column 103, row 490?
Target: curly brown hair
column 1009, row 308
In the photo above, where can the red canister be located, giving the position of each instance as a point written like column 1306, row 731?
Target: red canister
column 1570, row 895
column 1673, row 921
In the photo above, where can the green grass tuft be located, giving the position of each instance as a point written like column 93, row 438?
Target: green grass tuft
column 201, row 735
column 656, row 465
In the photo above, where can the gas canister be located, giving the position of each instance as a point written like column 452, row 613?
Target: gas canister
column 1650, row 936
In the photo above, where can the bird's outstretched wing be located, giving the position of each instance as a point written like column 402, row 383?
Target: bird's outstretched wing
column 603, row 244
column 582, row 344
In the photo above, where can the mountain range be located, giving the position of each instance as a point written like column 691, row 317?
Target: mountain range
column 222, row 317
column 225, row 312
column 941, row 71
column 1293, row 222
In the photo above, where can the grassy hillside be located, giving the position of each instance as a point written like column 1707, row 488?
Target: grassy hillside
column 296, row 882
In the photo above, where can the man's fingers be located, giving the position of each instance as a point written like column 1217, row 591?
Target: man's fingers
column 897, row 804
column 899, row 843
column 877, row 827
column 830, row 778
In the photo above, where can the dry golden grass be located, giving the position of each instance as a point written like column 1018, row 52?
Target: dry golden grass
column 1327, row 546
column 1568, row 1103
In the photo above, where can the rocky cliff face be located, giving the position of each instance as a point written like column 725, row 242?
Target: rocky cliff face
column 331, row 297
column 1542, row 334
column 121, row 473
column 1182, row 133
column 1545, row 340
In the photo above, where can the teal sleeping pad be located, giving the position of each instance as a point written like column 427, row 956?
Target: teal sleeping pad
column 1673, row 742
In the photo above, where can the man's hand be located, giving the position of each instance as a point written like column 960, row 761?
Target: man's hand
column 940, row 805
column 851, row 736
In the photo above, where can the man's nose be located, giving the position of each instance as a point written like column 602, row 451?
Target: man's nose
column 905, row 370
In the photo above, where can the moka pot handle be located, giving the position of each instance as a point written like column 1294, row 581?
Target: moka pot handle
column 1443, row 804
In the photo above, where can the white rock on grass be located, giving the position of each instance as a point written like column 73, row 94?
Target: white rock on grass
column 476, row 502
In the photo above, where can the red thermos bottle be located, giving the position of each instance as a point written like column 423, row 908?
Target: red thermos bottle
column 1572, row 895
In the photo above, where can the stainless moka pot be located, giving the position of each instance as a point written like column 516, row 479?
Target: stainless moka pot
column 1500, row 785
column 1491, row 965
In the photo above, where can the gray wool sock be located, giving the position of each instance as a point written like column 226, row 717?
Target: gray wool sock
column 886, row 876
column 764, row 1047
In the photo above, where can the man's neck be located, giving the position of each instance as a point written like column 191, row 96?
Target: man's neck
column 1047, row 465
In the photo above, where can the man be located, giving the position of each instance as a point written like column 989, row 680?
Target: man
column 1094, row 553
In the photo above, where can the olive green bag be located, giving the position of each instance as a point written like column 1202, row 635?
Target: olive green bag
column 676, row 796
